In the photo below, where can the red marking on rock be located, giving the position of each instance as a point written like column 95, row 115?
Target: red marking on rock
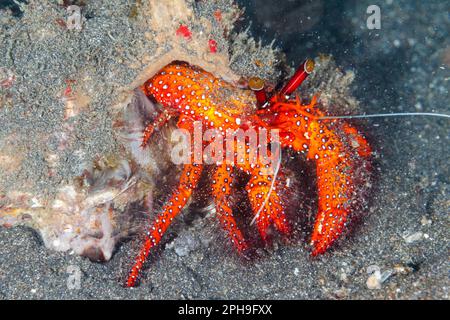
column 218, row 15
column 212, row 45
column 184, row 31
column 68, row 91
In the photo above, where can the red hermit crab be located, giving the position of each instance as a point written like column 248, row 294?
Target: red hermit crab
column 200, row 101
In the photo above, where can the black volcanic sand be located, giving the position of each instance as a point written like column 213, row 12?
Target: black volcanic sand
column 401, row 68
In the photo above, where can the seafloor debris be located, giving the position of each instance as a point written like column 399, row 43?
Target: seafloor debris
column 70, row 163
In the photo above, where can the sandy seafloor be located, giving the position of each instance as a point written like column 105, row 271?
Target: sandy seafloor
column 402, row 67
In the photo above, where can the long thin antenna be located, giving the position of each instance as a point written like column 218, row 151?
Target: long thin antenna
column 379, row 115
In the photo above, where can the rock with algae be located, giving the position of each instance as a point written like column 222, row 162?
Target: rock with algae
column 69, row 166
column 71, row 119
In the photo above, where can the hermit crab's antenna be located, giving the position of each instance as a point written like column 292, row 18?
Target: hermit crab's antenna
column 382, row 115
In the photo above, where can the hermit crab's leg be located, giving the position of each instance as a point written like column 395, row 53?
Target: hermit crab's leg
column 262, row 189
column 161, row 120
column 188, row 181
column 221, row 189
column 336, row 161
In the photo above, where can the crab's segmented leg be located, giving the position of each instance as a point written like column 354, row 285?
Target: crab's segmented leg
column 188, row 181
column 266, row 203
column 221, row 189
column 336, row 161
column 161, row 120
column 157, row 124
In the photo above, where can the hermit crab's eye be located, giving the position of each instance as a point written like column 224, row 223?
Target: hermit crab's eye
column 257, row 85
column 309, row 66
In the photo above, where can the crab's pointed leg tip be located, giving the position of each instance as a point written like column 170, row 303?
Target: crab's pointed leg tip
column 129, row 284
column 317, row 248
column 315, row 252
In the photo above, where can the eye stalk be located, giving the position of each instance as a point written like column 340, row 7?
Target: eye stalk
column 305, row 69
column 257, row 86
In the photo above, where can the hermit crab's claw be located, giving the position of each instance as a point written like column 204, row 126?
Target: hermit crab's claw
column 341, row 154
